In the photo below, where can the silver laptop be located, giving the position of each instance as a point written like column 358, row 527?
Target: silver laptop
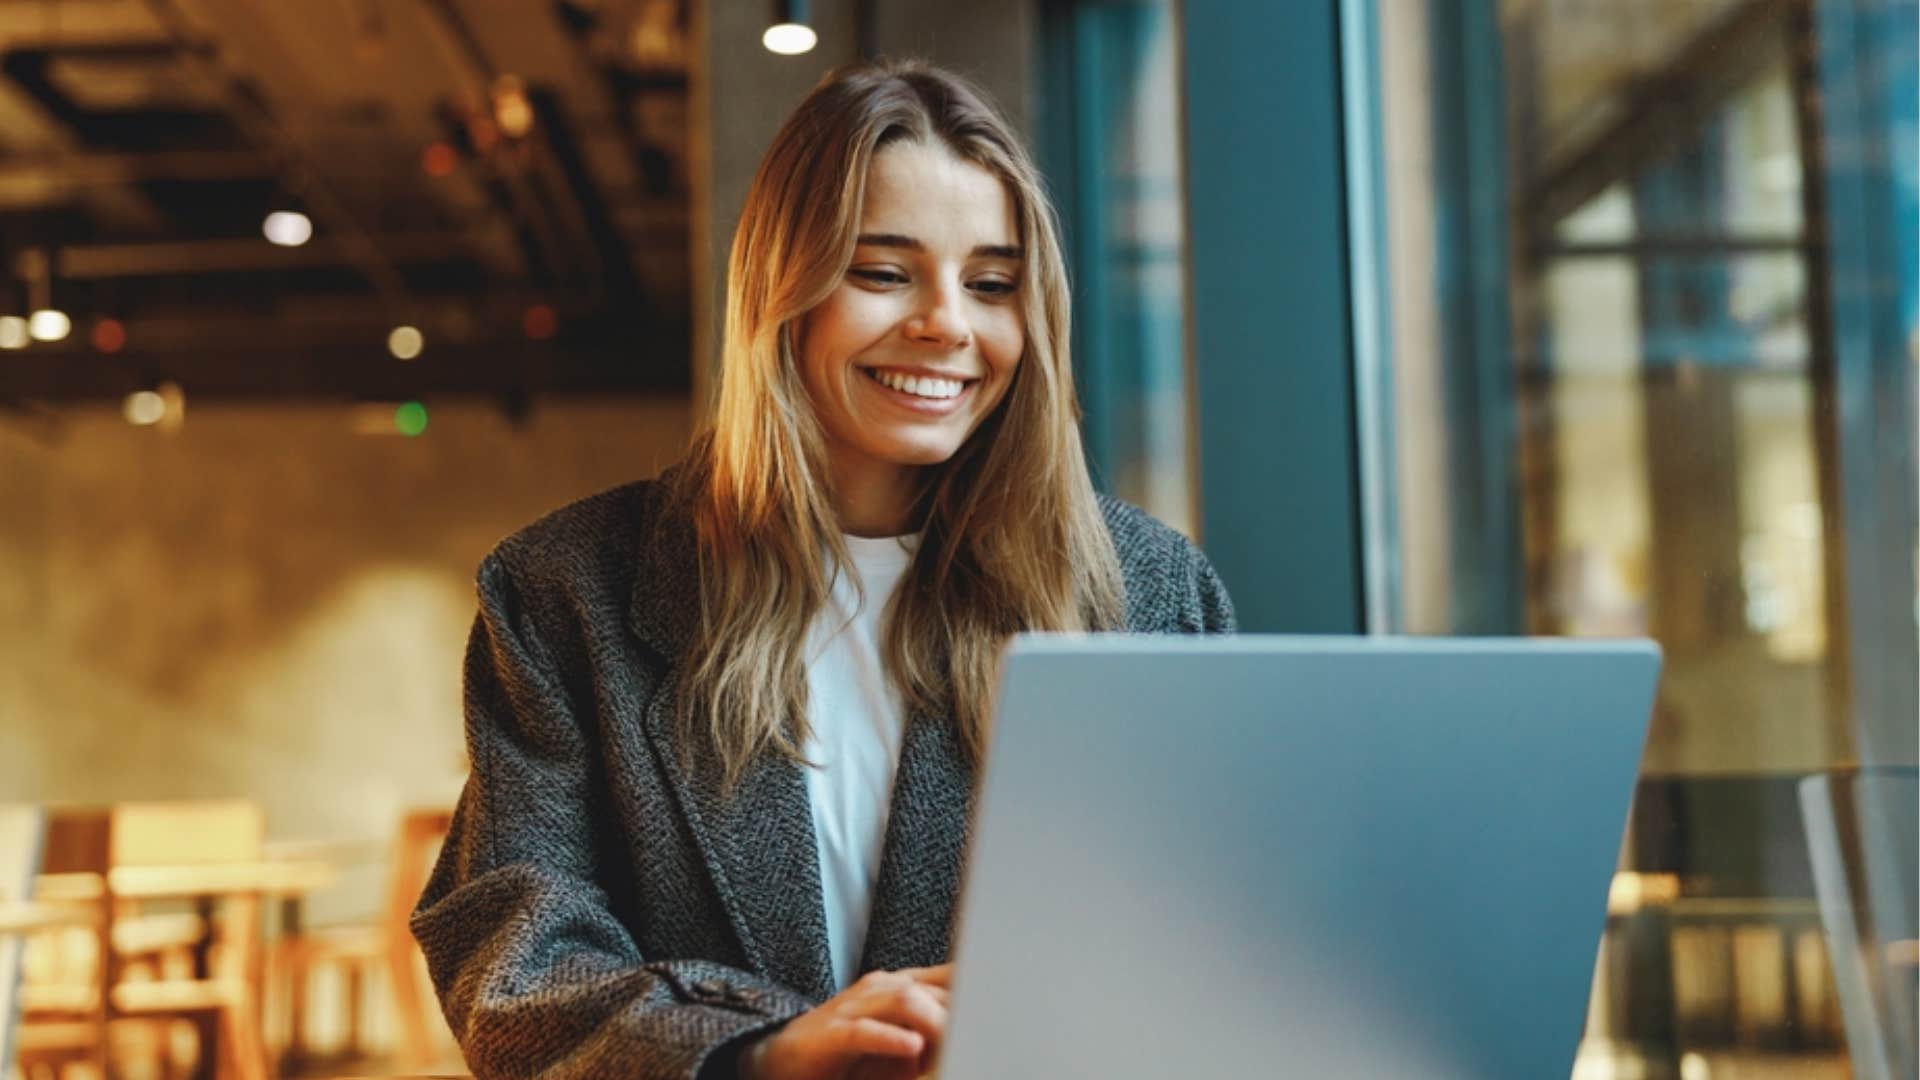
column 1282, row 856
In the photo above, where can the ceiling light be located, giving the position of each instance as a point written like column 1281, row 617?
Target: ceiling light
column 109, row 335
column 405, row 342
column 789, row 39
column 49, row 324
column 287, row 228
column 511, row 109
column 791, row 33
column 144, row 408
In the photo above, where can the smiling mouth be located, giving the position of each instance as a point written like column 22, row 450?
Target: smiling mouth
column 925, row 387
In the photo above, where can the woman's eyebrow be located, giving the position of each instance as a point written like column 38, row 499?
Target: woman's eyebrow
column 908, row 243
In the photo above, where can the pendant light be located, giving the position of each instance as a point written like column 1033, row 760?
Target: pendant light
column 791, row 32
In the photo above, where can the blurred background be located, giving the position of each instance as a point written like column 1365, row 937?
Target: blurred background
column 1573, row 317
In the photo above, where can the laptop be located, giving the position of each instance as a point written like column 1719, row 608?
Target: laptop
column 1294, row 856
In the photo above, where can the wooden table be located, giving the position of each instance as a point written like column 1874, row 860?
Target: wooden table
column 204, row 885
column 288, row 880
column 33, row 916
column 274, row 877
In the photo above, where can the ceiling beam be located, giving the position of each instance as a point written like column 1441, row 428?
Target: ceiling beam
column 265, row 131
column 1660, row 111
column 85, row 262
column 358, row 372
column 105, row 170
column 48, row 25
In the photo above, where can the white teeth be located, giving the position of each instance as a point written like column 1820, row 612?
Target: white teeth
column 925, row 386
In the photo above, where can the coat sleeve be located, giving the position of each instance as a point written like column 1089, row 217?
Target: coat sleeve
column 536, row 974
column 1214, row 606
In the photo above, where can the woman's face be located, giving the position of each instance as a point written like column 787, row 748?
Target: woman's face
column 919, row 341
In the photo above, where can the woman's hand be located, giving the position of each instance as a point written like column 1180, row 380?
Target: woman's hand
column 886, row 1026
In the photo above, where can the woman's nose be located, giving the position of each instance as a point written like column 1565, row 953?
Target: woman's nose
column 942, row 318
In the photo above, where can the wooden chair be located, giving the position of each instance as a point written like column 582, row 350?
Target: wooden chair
column 63, row 1004
column 21, row 827
column 386, row 946
column 223, row 1003
column 92, row 850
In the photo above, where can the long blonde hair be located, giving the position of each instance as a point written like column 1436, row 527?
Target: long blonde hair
column 1012, row 537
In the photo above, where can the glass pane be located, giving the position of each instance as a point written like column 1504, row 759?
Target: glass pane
column 1110, row 135
column 1654, row 317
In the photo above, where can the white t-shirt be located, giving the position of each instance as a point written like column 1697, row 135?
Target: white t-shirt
column 858, row 722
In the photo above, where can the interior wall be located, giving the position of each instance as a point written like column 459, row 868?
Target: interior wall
column 992, row 42
column 267, row 603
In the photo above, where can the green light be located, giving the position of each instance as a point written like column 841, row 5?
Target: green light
column 410, row 418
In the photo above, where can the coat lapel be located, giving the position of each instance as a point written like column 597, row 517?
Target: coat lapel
column 911, row 924
column 758, row 843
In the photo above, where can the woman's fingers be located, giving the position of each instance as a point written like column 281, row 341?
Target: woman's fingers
column 892, row 1022
column 867, row 1035
column 888, row 1026
column 941, row 975
column 914, row 1006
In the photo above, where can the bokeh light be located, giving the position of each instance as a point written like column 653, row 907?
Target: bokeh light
column 439, row 159
column 789, row 39
column 109, row 336
column 511, row 109
column 145, row 408
column 287, row 228
column 406, row 342
column 49, row 324
column 540, row 322
column 410, row 418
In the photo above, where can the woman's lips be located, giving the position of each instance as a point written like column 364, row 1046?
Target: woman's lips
column 914, row 402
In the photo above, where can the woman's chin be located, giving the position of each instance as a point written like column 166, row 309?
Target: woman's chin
column 918, row 451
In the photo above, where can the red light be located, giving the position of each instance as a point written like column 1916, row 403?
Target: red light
column 481, row 132
column 109, row 336
column 540, row 322
column 439, row 159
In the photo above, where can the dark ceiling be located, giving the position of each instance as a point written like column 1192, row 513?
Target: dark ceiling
column 473, row 168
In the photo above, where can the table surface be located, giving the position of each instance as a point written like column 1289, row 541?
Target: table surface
column 274, row 877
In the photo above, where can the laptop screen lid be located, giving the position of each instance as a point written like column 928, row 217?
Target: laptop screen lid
column 1284, row 856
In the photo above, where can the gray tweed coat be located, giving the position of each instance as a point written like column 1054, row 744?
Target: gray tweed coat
column 599, row 910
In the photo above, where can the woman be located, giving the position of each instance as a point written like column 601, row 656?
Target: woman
column 724, row 725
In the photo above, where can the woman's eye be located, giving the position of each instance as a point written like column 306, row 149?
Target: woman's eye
column 995, row 287
column 879, row 277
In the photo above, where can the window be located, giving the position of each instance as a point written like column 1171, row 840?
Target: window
column 1651, row 272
